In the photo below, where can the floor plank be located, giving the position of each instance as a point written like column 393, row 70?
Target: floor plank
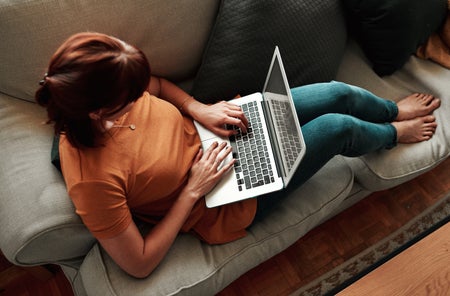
column 422, row 269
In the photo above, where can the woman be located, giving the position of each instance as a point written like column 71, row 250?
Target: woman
column 126, row 153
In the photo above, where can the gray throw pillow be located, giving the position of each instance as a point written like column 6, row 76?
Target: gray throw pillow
column 311, row 36
column 390, row 31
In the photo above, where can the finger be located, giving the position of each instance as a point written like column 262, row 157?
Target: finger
column 224, row 152
column 239, row 114
column 232, row 106
column 245, row 121
column 199, row 155
column 226, row 167
column 244, row 125
column 222, row 146
column 208, row 153
column 239, row 123
column 214, row 156
column 236, row 113
column 233, row 121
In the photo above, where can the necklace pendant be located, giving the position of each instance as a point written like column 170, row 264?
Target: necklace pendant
column 132, row 127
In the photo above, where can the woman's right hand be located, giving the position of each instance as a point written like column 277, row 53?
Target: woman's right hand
column 205, row 172
column 140, row 256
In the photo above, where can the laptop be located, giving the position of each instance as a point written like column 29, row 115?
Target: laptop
column 268, row 155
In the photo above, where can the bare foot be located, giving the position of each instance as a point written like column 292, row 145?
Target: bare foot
column 415, row 130
column 416, row 105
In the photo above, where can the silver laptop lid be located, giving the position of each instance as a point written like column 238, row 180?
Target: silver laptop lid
column 286, row 134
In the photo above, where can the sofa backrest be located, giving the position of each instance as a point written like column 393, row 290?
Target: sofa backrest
column 173, row 31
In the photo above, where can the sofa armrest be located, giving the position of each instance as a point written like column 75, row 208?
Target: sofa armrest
column 39, row 224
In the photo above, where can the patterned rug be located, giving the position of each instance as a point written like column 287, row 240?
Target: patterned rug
column 343, row 275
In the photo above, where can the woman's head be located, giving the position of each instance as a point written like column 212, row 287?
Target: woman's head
column 91, row 72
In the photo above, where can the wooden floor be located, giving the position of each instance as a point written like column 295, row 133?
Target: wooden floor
column 323, row 248
column 422, row 269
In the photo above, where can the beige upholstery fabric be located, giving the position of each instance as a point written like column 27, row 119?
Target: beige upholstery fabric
column 31, row 31
column 385, row 169
column 37, row 217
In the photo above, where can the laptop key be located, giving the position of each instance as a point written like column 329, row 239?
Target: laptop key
column 257, row 184
column 248, row 185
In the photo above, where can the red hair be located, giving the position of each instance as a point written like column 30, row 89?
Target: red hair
column 89, row 72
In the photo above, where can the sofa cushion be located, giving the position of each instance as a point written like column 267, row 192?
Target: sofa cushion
column 211, row 268
column 31, row 31
column 37, row 218
column 387, row 168
column 311, row 36
column 391, row 30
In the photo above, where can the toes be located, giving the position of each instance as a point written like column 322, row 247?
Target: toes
column 429, row 119
column 428, row 134
column 420, row 96
column 426, row 99
column 429, row 101
column 435, row 103
column 430, row 130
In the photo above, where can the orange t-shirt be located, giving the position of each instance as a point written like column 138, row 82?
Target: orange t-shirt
column 140, row 172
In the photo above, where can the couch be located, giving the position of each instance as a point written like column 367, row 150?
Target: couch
column 208, row 48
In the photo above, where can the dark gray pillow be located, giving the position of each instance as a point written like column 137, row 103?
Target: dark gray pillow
column 390, row 31
column 311, row 36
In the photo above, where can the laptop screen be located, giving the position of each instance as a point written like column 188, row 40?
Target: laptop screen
column 275, row 83
column 284, row 126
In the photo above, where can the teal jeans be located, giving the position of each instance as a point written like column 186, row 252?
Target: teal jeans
column 337, row 119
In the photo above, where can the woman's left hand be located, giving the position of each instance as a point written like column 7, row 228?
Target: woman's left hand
column 215, row 117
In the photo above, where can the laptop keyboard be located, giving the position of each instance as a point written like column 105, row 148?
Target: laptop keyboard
column 252, row 166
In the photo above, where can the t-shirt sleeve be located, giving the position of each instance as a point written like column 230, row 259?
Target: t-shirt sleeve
column 102, row 206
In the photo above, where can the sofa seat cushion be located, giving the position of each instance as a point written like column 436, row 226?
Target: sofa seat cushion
column 211, row 268
column 388, row 168
column 310, row 34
